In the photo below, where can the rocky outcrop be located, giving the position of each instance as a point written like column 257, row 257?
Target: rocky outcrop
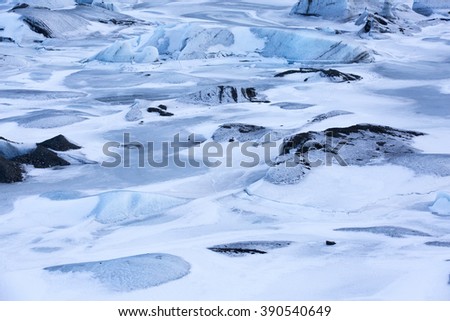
column 130, row 273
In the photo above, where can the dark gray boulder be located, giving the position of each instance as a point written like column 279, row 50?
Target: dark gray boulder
column 58, row 143
column 41, row 157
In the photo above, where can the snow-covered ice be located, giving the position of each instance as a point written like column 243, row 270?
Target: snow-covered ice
column 131, row 273
column 348, row 200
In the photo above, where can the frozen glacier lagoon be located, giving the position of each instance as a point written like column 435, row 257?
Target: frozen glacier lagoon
column 215, row 66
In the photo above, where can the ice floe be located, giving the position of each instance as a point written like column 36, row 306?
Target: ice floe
column 131, row 273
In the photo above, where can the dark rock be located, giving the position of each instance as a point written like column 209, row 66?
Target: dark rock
column 130, row 273
column 391, row 231
column 363, row 57
column 332, row 74
column 380, row 20
column 10, row 171
column 58, row 143
column 376, row 23
column 249, row 247
column 164, row 107
column 160, row 111
column 20, row 6
column 236, row 251
column 330, row 243
column 41, row 157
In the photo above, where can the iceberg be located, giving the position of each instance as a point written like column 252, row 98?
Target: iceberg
column 187, row 42
column 124, row 206
column 441, row 205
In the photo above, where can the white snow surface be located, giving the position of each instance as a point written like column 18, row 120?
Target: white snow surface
column 151, row 227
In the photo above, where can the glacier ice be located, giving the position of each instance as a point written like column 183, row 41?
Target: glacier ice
column 10, row 171
column 441, row 205
column 361, row 144
column 248, row 247
column 124, row 206
column 131, row 273
column 185, row 42
column 428, row 7
column 10, row 149
column 135, row 112
column 133, row 50
column 239, row 132
column 391, row 231
column 217, row 95
column 333, row 8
